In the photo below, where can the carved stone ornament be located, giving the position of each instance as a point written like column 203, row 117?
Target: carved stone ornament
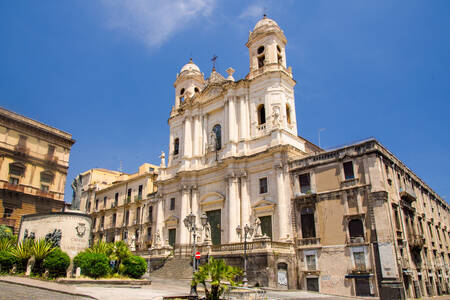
column 81, row 229
column 54, row 237
column 276, row 115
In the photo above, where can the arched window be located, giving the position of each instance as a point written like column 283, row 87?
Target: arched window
column 182, row 91
column 217, row 129
column 288, row 114
column 261, row 56
column 196, row 90
column 261, row 114
column 176, row 146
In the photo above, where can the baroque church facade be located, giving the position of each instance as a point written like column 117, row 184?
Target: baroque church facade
column 349, row 221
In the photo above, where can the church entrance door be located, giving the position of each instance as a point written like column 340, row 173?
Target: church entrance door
column 214, row 217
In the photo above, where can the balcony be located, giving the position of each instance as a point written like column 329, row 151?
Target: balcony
column 355, row 240
column 261, row 128
column 21, row 150
column 404, row 262
column 359, row 270
column 13, row 187
column 45, row 194
column 407, row 193
column 128, row 200
column 308, row 242
column 349, row 182
column 51, row 159
column 416, row 241
column 7, row 222
column 254, row 245
column 138, row 198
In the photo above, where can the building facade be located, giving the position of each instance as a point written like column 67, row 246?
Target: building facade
column 349, row 221
column 365, row 224
column 87, row 183
column 34, row 159
column 123, row 210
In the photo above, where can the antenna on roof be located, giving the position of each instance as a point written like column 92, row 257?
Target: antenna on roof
column 265, row 12
column 213, row 59
column 321, row 129
column 121, row 166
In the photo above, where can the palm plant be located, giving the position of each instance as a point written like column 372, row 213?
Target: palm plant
column 102, row 248
column 6, row 244
column 121, row 252
column 218, row 272
column 22, row 251
column 40, row 249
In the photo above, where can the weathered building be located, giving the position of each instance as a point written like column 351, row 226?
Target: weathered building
column 123, row 209
column 34, row 159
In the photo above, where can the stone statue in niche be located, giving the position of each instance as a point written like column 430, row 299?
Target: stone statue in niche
column 207, row 232
column 157, row 238
column 54, row 237
column 212, row 141
column 276, row 115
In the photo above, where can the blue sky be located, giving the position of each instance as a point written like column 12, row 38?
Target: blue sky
column 104, row 71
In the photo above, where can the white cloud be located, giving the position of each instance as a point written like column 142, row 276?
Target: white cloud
column 154, row 21
column 252, row 11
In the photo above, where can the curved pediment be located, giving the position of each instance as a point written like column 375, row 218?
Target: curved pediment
column 212, row 198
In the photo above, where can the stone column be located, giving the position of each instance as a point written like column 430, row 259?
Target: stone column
column 245, row 201
column 183, row 232
column 232, row 209
column 197, row 136
column 232, row 120
column 226, row 123
column 187, row 138
column 282, row 207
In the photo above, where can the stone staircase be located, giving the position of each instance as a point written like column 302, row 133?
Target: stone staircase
column 174, row 268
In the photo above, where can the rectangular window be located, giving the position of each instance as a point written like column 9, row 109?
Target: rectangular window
column 116, row 199
column 149, row 234
column 127, row 217
column 51, row 150
column 114, row 218
column 44, row 188
column 305, row 184
column 13, row 180
column 104, row 202
column 94, row 223
column 263, row 185
column 138, row 215
column 129, row 195
column 311, row 262
column 7, row 212
column 172, row 204
column 150, row 214
column 96, row 204
column 102, row 222
column 348, row 170
column 140, row 191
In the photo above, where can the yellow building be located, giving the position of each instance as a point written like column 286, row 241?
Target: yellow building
column 123, row 210
column 34, row 159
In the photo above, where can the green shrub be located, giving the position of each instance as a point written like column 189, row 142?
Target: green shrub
column 7, row 260
column 94, row 265
column 134, row 266
column 57, row 263
column 5, row 232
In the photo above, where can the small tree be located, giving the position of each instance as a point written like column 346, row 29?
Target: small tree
column 57, row 263
column 5, row 232
column 218, row 272
column 134, row 266
column 121, row 252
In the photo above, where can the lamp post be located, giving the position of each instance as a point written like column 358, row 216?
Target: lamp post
column 248, row 230
column 189, row 222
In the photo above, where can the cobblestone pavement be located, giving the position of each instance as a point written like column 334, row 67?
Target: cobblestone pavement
column 9, row 291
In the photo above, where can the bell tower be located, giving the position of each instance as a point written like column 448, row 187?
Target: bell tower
column 266, row 45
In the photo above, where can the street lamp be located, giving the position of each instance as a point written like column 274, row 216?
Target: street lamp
column 248, row 231
column 189, row 222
